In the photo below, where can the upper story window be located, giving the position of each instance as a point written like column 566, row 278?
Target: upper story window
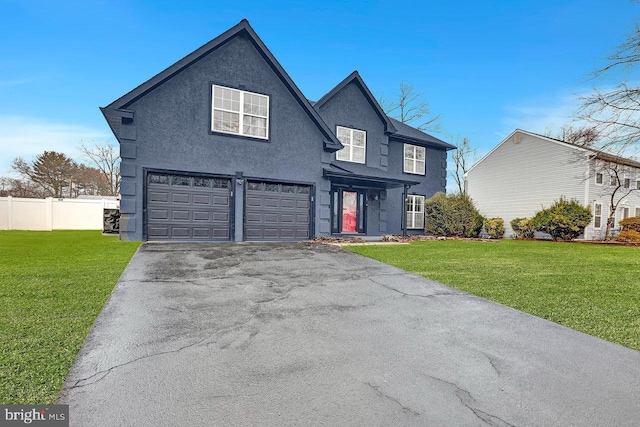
column 414, row 159
column 355, row 145
column 239, row 112
column 613, row 180
column 599, row 178
column 627, row 182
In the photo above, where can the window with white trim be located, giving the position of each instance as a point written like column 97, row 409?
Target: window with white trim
column 415, row 211
column 414, row 157
column 599, row 178
column 638, row 184
column 597, row 216
column 355, row 144
column 637, row 211
column 624, row 213
column 613, row 180
column 627, row 183
column 240, row 112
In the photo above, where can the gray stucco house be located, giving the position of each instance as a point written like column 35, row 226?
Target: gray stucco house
column 222, row 145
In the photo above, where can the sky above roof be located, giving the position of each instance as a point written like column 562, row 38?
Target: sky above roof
column 486, row 67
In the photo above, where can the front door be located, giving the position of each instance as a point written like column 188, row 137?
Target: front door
column 348, row 210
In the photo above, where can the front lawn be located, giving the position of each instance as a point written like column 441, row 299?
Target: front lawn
column 591, row 288
column 52, row 287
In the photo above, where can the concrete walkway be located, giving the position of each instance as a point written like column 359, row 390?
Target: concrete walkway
column 311, row 335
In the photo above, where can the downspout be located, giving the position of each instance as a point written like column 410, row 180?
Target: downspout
column 404, row 210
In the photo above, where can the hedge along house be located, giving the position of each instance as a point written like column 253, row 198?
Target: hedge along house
column 223, row 146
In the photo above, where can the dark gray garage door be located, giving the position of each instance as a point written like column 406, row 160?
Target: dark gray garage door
column 277, row 211
column 185, row 207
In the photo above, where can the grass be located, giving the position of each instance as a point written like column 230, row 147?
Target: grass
column 592, row 288
column 52, row 287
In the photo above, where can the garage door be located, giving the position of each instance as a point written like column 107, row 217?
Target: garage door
column 277, row 211
column 185, row 207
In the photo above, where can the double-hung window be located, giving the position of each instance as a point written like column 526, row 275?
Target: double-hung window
column 599, row 178
column 414, row 159
column 624, row 213
column 240, row 112
column 415, row 211
column 597, row 215
column 355, row 144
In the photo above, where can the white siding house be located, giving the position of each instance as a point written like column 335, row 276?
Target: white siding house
column 527, row 172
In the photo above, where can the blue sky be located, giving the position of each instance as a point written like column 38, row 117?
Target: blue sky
column 487, row 67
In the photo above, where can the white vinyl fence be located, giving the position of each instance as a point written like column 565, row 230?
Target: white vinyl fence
column 53, row 214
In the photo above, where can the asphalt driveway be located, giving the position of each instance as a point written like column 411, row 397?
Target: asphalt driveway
column 311, row 335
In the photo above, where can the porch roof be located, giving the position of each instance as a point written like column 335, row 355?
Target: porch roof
column 350, row 178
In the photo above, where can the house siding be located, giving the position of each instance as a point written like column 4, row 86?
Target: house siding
column 518, row 179
column 173, row 132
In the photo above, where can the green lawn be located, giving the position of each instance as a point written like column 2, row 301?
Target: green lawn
column 52, row 287
column 591, row 288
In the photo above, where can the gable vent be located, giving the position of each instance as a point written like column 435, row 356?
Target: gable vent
column 516, row 139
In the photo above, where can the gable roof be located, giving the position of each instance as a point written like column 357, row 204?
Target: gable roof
column 410, row 134
column 598, row 154
column 355, row 77
column 594, row 153
column 118, row 107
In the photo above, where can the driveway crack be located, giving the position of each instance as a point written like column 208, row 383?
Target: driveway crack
column 396, row 401
column 467, row 400
column 100, row 375
column 406, row 294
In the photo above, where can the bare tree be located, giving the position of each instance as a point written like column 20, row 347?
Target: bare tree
column 585, row 136
column 463, row 157
column 409, row 107
column 20, row 188
column 51, row 171
column 105, row 158
column 616, row 112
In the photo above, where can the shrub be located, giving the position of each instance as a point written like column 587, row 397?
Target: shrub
column 452, row 215
column 494, row 227
column 564, row 220
column 522, row 227
column 631, row 224
column 632, row 236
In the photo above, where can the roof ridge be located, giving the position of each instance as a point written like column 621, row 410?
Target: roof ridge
column 355, row 76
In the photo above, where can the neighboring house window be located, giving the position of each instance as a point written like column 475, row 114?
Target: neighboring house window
column 597, row 215
column 599, row 178
column 624, row 214
column 355, row 143
column 637, row 211
column 638, row 184
column 239, row 112
column 415, row 211
column 627, row 183
column 613, row 180
column 414, row 159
